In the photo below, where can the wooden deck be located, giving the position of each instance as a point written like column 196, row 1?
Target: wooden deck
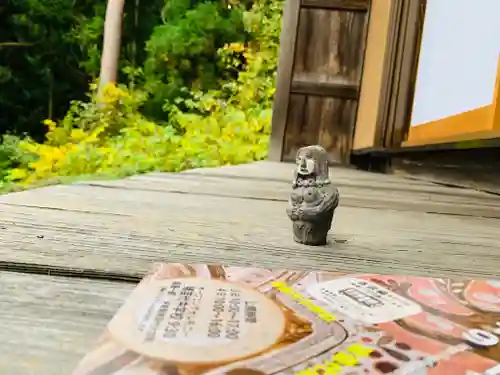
column 94, row 240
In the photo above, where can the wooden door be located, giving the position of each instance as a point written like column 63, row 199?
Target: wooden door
column 319, row 73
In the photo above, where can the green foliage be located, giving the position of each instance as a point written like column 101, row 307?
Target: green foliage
column 211, row 117
column 39, row 66
column 87, row 32
column 50, row 50
column 182, row 52
column 9, row 154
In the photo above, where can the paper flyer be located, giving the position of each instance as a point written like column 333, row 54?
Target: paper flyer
column 197, row 319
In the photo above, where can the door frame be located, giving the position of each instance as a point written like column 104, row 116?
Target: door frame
column 388, row 83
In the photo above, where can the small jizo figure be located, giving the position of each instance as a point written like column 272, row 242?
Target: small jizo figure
column 314, row 198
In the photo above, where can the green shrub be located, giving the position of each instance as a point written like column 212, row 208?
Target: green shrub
column 11, row 155
column 182, row 52
column 110, row 136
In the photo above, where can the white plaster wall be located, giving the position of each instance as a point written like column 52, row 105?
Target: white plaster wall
column 458, row 60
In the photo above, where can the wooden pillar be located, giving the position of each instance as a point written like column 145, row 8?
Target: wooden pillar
column 288, row 38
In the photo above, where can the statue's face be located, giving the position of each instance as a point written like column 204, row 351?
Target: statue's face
column 305, row 164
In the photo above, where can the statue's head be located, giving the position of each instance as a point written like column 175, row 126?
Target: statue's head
column 312, row 163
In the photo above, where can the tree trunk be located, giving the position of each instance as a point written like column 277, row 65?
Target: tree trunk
column 111, row 44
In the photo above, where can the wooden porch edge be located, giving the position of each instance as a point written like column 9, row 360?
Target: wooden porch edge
column 70, row 272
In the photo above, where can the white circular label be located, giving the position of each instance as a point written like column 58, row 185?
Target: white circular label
column 496, row 329
column 478, row 337
column 198, row 321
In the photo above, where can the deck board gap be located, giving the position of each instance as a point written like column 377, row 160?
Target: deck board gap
column 78, row 273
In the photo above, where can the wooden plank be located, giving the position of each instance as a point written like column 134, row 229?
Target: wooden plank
column 114, row 230
column 329, row 89
column 340, row 5
column 342, row 177
column 272, row 171
column 483, row 205
column 351, row 193
column 409, row 185
column 265, row 172
column 284, row 75
column 49, row 323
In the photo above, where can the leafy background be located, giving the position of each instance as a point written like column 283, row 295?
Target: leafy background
column 195, row 88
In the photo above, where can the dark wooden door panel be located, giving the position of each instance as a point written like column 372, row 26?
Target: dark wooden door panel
column 316, row 99
column 329, row 45
column 344, row 5
column 319, row 120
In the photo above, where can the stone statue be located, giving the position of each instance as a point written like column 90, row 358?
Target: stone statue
column 313, row 199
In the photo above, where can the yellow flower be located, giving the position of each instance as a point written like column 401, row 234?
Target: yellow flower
column 29, row 147
column 50, row 124
column 18, row 174
column 77, row 134
column 236, row 47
